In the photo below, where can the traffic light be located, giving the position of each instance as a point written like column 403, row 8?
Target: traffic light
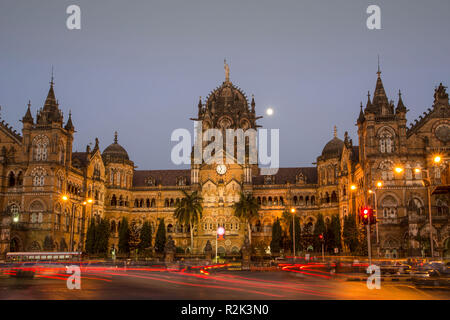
column 321, row 237
column 366, row 215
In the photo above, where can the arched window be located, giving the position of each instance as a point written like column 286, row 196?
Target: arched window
column 386, row 141
column 40, row 145
column 441, row 207
column 14, row 209
column 113, row 200
column 36, row 209
column 57, row 216
column 62, row 154
column 11, row 179
column 169, row 228
column 153, row 203
column 19, row 180
column 334, row 197
column 415, row 206
column 313, row 200
column 38, row 175
column 389, row 207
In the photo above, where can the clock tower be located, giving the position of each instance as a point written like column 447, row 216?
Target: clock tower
column 220, row 182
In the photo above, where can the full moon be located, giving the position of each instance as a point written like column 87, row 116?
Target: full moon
column 269, row 111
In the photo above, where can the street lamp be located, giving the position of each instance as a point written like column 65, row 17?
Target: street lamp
column 398, row 169
column 220, row 233
column 293, row 230
column 353, row 187
column 427, row 183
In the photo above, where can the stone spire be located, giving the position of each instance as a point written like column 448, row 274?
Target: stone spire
column 400, row 106
column 361, row 117
column 379, row 97
column 50, row 112
column 335, row 132
column 115, row 137
column 69, row 125
column 28, row 118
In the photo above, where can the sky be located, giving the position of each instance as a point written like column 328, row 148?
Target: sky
column 139, row 67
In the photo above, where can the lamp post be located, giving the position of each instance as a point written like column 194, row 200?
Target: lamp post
column 427, row 183
column 293, row 230
column 220, row 232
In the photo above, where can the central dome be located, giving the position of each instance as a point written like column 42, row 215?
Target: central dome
column 225, row 97
column 115, row 152
column 334, row 147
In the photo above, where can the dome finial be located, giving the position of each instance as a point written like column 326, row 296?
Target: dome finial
column 335, row 131
column 115, row 137
column 227, row 70
column 52, row 78
column 379, row 71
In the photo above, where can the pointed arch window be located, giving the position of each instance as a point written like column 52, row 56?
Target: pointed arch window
column 38, row 175
column 386, row 139
column 40, row 146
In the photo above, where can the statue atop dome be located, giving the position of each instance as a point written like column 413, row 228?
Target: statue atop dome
column 227, row 70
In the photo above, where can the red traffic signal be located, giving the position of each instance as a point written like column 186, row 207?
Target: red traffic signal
column 321, row 237
column 366, row 216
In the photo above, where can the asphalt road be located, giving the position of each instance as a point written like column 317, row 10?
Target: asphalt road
column 237, row 285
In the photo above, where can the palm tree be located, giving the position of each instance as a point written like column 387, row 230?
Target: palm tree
column 246, row 209
column 189, row 211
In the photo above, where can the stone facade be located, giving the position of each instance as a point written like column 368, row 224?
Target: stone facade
column 38, row 168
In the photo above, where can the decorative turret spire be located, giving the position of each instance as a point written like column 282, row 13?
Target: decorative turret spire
column 400, row 106
column 335, row 132
column 361, row 117
column 115, row 137
column 379, row 97
column 69, row 125
column 50, row 112
column 28, row 118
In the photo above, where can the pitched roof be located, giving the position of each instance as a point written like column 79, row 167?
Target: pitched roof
column 79, row 159
column 355, row 154
column 163, row 177
column 285, row 175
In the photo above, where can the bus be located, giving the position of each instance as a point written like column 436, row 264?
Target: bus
column 43, row 256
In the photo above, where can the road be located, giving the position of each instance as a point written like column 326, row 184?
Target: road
column 227, row 285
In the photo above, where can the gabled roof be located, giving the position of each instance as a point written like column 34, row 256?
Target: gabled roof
column 80, row 159
column 285, row 175
column 163, row 177
column 8, row 130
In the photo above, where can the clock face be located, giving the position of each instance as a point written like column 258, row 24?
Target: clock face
column 221, row 169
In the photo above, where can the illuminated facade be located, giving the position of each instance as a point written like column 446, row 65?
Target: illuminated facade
column 38, row 167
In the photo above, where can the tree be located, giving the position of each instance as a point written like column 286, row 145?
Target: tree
column 298, row 234
column 160, row 240
column 319, row 228
column 124, row 236
column 102, row 234
column 350, row 233
column 246, row 209
column 275, row 243
column 145, row 236
column 90, row 238
column 189, row 212
column 134, row 238
column 336, row 226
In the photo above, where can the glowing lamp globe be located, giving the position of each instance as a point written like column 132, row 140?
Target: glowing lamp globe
column 221, row 231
